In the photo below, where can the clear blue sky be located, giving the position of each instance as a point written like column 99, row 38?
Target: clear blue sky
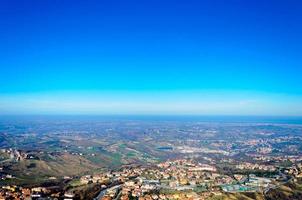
column 162, row 57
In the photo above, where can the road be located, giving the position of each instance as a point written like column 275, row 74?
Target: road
column 103, row 192
column 277, row 186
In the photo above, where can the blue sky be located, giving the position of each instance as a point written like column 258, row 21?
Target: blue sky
column 158, row 57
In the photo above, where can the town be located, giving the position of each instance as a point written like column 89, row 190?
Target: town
column 173, row 179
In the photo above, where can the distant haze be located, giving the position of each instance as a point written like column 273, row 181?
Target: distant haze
column 154, row 103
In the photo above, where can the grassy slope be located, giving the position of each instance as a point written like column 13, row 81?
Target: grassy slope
column 35, row 171
column 238, row 196
column 290, row 191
